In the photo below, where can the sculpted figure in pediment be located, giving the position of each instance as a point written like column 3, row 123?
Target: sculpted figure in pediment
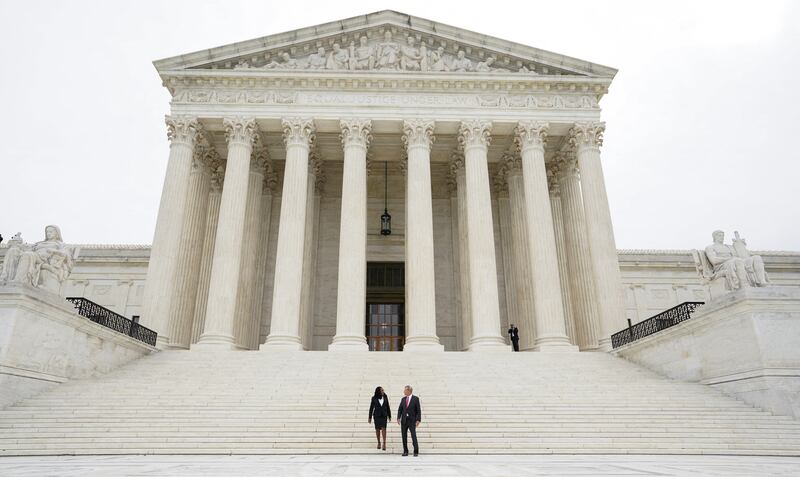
column 388, row 55
column 462, row 63
column 438, row 60
column 288, row 63
column 362, row 57
column 318, row 60
column 410, row 57
column 338, row 59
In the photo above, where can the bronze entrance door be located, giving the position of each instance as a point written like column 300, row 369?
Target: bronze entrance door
column 385, row 320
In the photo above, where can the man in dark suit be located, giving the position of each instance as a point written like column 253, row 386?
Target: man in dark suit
column 513, row 332
column 409, row 415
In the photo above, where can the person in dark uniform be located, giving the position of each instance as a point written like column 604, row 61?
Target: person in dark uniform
column 513, row 332
column 379, row 410
column 409, row 416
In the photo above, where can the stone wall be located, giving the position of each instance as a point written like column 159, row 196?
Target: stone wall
column 44, row 342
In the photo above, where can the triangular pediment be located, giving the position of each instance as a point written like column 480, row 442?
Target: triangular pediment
column 382, row 42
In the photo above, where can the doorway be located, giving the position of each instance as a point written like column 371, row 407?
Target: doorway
column 385, row 310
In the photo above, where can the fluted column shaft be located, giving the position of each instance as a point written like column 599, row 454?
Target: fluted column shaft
column 474, row 137
column 420, row 282
column 254, row 333
column 207, row 254
column 520, row 268
column 463, row 256
column 579, row 260
column 513, row 312
column 587, row 138
column 218, row 329
column 247, row 273
column 184, row 291
column 182, row 133
column 352, row 284
column 309, row 253
column 548, row 307
column 563, row 274
column 287, row 294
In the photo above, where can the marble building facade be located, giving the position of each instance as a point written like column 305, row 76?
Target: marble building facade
column 285, row 150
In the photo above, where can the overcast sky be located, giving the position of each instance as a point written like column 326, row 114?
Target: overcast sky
column 703, row 118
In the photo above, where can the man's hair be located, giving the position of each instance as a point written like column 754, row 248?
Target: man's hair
column 408, row 386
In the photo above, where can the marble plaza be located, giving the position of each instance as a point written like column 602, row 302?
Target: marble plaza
column 393, row 185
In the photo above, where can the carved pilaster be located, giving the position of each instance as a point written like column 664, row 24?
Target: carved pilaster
column 418, row 133
column 298, row 131
column 531, row 134
column 474, row 133
column 356, row 132
column 240, row 130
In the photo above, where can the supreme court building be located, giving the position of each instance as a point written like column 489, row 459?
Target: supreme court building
column 483, row 156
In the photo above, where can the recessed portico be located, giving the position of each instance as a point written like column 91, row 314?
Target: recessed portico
column 302, row 156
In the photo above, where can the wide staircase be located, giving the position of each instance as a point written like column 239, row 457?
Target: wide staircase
column 187, row 402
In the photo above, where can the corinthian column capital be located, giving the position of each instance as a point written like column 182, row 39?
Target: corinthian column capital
column 298, row 131
column 474, row 133
column 531, row 134
column 553, row 169
column 356, row 132
column 587, row 134
column 182, row 129
column 418, row 132
column 567, row 165
column 259, row 159
column 240, row 130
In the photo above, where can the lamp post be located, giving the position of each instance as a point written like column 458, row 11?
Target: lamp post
column 386, row 219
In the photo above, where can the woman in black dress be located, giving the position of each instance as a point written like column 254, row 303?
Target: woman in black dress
column 379, row 410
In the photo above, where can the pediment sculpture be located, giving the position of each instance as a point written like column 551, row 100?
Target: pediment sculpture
column 384, row 55
column 727, row 268
column 45, row 264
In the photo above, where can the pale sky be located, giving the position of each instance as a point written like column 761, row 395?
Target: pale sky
column 702, row 118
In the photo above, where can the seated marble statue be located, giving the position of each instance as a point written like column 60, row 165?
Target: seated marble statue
column 732, row 264
column 45, row 264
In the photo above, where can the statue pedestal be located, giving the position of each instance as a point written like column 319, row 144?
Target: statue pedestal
column 744, row 343
column 43, row 342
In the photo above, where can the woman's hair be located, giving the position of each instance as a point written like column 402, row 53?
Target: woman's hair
column 378, row 392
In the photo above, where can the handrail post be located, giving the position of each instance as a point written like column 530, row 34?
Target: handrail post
column 630, row 330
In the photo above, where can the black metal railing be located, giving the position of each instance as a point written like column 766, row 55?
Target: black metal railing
column 109, row 319
column 654, row 324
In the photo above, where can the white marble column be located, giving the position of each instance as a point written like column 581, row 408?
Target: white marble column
column 587, row 139
column 551, row 333
column 558, row 229
column 182, row 133
column 463, row 250
column 246, row 293
column 474, row 137
column 184, row 290
column 420, row 283
column 513, row 314
column 352, row 283
column 579, row 260
column 218, row 329
column 315, row 177
column 521, row 270
column 298, row 134
column 207, row 253
column 268, row 186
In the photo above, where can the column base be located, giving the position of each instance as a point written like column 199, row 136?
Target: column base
column 207, row 342
column 423, row 343
column 604, row 345
column 553, row 343
column 162, row 342
column 282, row 342
column 488, row 343
column 175, row 346
column 348, row 343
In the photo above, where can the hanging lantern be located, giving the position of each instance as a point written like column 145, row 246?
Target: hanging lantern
column 386, row 219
